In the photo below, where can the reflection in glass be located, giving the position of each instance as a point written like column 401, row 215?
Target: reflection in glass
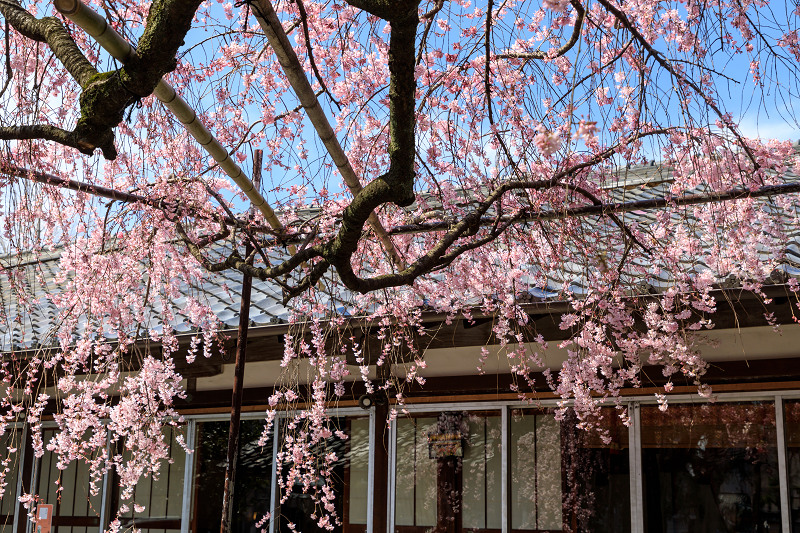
column 415, row 474
column 357, row 475
column 569, row 479
column 481, row 476
column 535, row 471
column 251, row 492
column 710, row 468
column 596, row 465
column 448, row 473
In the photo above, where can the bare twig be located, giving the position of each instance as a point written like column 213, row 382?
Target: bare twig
column 304, row 20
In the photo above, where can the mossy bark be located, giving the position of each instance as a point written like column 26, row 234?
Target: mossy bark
column 49, row 30
column 106, row 95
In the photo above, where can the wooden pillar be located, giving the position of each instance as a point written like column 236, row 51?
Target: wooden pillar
column 448, row 495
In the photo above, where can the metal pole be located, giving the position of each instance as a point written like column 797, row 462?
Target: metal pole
column 238, row 378
column 635, row 466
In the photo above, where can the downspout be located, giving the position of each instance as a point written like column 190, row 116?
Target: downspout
column 96, row 26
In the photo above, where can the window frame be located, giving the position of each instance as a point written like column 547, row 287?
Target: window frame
column 632, row 402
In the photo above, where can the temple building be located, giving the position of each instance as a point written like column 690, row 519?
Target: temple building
column 469, row 453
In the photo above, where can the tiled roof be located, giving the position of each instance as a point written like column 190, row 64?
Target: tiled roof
column 222, row 291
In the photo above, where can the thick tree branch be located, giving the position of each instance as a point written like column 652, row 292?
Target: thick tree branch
column 51, row 31
column 391, row 10
column 106, row 96
column 397, row 185
column 436, row 8
column 442, row 252
column 527, row 215
column 402, row 103
column 9, row 69
column 40, row 131
column 269, row 22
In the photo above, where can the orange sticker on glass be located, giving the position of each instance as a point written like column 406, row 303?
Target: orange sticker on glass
column 44, row 518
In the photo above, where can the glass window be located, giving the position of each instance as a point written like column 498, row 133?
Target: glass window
column 252, row 486
column 710, row 467
column 162, row 498
column 448, row 472
column 481, row 473
column 75, row 509
column 8, row 503
column 569, row 479
column 356, row 475
column 792, row 425
column 298, row 510
column 415, row 475
column 535, row 471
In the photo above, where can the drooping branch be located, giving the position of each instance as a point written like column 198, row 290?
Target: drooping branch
column 340, row 250
column 611, row 215
column 9, row 69
column 397, row 185
column 106, row 96
column 681, row 78
column 87, row 188
column 566, row 47
column 310, row 51
column 114, row 194
column 121, row 50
